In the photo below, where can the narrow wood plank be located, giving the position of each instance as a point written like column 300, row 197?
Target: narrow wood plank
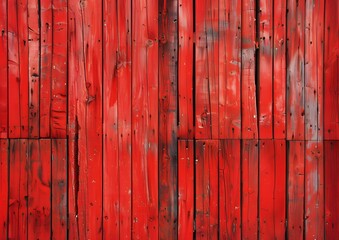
column 314, row 190
column 229, row 189
column 206, row 69
column 17, row 210
column 272, row 186
column 58, row 100
column 145, row 119
column 331, row 69
column 85, row 119
column 229, row 69
column 296, row 168
column 206, row 189
column 168, row 87
column 39, row 189
column 46, row 45
column 59, row 188
column 185, row 70
column 4, row 187
column 265, row 69
column 33, row 67
column 249, row 204
column 314, row 57
column 331, row 154
column 17, row 69
column 249, row 117
column 185, row 189
column 295, row 70
column 279, row 69
column 3, row 70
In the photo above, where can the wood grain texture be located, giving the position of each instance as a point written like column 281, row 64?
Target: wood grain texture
column 229, row 69
column 186, row 163
column 4, row 187
column 3, row 70
column 229, row 189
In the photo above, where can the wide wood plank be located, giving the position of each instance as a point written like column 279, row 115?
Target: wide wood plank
column 272, row 186
column 295, row 205
column 229, row 69
column 4, row 187
column 206, row 69
column 229, row 189
column 206, row 189
column 145, row 119
column 3, row 70
column 185, row 69
column 186, row 163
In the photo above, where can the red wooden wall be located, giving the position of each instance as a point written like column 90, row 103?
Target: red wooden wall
column 169, row 119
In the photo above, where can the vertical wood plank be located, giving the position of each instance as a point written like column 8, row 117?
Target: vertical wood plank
column 295, row 70
column 206, row 69
column 33, row 67
column 229, row 69
column 39, row 189
column 185, row 189
column 168, row 86
column 272, row 189
column 3, row 70
column 206, row 189
column 85, row 119
column 279, row 69
column 46, row 48
column 145, row 119
column 17, row 69
column 229, row 189
column 4, row 187
column 17, row 210
column 296, row 168
column 331, row 153
column 59, row 188
column 59, row 70
column 185, row 69
column 314, row 190
column 265, row 68
column 249, row 117
column 331, row 69
column 249, row 204
column 314, row 52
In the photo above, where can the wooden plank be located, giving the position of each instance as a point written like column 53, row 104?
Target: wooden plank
column 331, row 69
column 185, row 189
column 3, row 70
column 33, row 67
column 272, row 189
column 85, row 120
column 229, row 189
column 168, row 167
column 314, row 190
column 295, row 211
column 206, row 69
column 58, row 100
column 4, row 187
column 17, row 69
column 145, row 119
column 46, row 47
column 249, row 117
column 279, row 69
column 206, row 189
column 17, row 208
column 295, row 70
column 249, row 203
column 39, row 189
column 185, row 70
column 229, row 69
column 59, row 188
column 314, row 40
column 331, row 154
column 265, row 68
